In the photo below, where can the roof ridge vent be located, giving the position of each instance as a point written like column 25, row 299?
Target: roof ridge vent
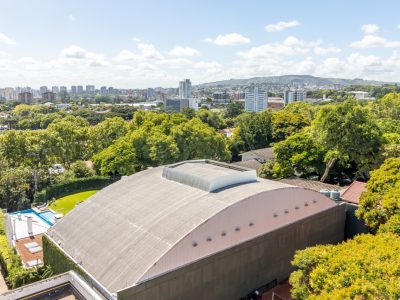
column 208, row 175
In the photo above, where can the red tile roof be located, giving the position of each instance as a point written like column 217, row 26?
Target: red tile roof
column 310, row 184
column 353, row 193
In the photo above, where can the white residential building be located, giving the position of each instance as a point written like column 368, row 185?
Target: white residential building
column 256, row 101
column 185, row 89
column 293, row 96
column 361, row 95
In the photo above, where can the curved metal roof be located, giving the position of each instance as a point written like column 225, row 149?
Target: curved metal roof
column 121, row 232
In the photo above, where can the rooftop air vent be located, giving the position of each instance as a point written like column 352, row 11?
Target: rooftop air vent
column 208, row 175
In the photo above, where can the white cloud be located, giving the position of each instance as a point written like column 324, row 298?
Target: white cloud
column 291, row 46
column 148, row 51
column 370, row 28
column 4, row 39
column 136, row 39
column 282, row 25
column 327, row 50
column 126, row 55
column 209, row 67
column 371, row 41
column 230, row 39
column 71, row 18
column 183, row 51
column 74, row 53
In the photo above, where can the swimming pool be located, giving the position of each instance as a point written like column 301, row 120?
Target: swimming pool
column 47, row 216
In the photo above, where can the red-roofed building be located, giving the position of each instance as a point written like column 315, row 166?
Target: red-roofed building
column 353, row 193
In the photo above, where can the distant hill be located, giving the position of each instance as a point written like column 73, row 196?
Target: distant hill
column 291, row 79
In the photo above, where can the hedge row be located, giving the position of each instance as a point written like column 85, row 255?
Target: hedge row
column 72, row 186
column 57, row 260
column 16, row 275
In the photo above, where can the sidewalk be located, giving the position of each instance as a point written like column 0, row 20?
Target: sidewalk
column 3, row 286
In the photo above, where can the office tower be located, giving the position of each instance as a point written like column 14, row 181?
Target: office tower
column 55, row 89
column 63, row 89
column 73, row 89
column 80, row 89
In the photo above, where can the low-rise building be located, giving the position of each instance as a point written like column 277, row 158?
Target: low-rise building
column 191, row 230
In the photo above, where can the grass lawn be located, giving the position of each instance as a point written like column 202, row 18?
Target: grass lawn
column 65, row 204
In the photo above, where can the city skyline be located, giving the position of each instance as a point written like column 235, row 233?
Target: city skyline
column 117, row 44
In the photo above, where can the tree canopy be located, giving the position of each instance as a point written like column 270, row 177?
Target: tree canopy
column 380, row 204
column 366, row 267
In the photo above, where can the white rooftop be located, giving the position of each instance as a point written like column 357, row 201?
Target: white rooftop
column 19, row 225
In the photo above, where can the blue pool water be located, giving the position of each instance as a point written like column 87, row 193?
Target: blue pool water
column 47, row 216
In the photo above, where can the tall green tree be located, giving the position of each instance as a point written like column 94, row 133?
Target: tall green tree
column 69, row 139
column 106, row 132
column 254, row 131
column 286, row 123
column 299, row 154
column 349, row 133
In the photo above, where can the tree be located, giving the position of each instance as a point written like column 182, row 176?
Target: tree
column 388, row 107
column 233, row 109
column 366, row 267
column 68, row 138
column 286, row 123
column 188, row 112
column 211, row 118
column 380, row 204
column 298, row 154
column 350, row 134
column 156, row 139
column 79, row 169
column 106, row 132
column 254, row 131
column 302, row 108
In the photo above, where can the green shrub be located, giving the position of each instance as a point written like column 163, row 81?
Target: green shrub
column 16, row 274
column 72, row 186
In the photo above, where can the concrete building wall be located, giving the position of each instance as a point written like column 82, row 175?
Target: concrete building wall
column 235, row 272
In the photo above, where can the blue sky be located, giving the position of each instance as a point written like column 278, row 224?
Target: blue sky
column 136, row 44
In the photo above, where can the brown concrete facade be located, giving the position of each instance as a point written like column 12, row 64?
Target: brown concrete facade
column 233, row 273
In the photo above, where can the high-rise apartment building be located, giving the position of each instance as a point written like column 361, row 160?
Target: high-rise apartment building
column 103, row 90
column 25, row 97
column 49, row 96
column 55, row 89
column 8, row 94
column 185, row 89
column 80, row 89
column 73, row 89
column 43, row 89
column 293, row 96
column 63, row 89
column 90, row 89
column 256, row 100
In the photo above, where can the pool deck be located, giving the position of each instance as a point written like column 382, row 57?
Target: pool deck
column 19, row 225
